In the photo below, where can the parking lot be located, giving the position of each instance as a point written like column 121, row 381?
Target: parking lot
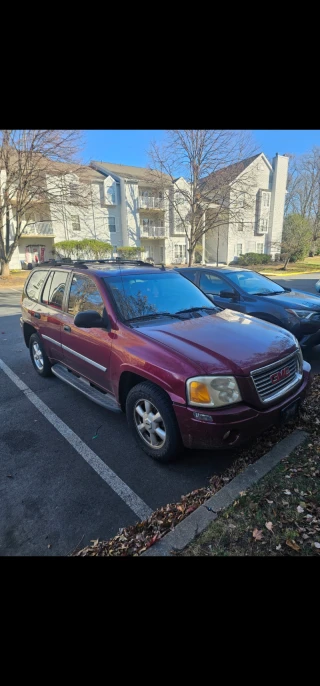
column 70, row 470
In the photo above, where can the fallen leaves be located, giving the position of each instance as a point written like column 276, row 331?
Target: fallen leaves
column 269, row 526
column 316, row 544
column 300, row 509
column 292, row 544
column 136, row 539
column 257, row 534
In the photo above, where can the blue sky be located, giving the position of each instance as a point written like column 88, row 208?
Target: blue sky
column 130, row 146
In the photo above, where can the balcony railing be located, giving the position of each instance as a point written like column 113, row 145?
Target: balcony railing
column 151, row 203
column 152, row 231
column 38, row 229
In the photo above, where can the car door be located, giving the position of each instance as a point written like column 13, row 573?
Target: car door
column 49, row 312
column 86, row 351
column 217, row 288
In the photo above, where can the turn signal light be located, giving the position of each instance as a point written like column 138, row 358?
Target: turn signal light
column 199, row 393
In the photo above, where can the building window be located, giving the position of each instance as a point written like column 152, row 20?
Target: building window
column 266, row 199
column 264, row 225
column 112, row 224
column 75, row 222
column 179, row 250
column 73, row 190
column 240, row 226
column 242, row 198
column 239, row 249
column 259, row 248
column 110, row 196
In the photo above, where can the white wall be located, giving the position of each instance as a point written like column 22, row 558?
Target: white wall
column 254, row 178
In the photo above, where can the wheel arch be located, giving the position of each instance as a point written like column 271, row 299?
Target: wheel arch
column 28, row 330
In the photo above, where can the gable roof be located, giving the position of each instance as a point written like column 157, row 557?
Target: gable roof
column 54, row 168
column 228, row 174
column 143, row 175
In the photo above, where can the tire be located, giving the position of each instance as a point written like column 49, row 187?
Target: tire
column 39, row 358
column 162, row 441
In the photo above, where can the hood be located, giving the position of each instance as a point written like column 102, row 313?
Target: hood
column 224, row 343
column 295, row 299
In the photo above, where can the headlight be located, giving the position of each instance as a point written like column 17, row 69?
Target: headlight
column 213, row 391
column 304, row 314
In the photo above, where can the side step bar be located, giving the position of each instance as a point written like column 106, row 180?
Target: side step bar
column 105, row 400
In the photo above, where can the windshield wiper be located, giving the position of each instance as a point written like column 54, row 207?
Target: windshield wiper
column 270, row 293
column 195, row 309
column 153, row 314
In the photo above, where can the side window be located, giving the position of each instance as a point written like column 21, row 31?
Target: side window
column 46, row 290
column 190, row 274
column 209, row 283
column 57, row 286
column 35, row 284
column 84, row 295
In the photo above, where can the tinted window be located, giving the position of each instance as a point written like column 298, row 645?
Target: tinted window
column 84, row 295
column 210, row 283
column 255, row 284
column 189, row 274
column 46, row 290
column 35, row 284
column 57, row 287
column 144, row 294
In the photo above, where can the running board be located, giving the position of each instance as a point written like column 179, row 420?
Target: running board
column 105, row 400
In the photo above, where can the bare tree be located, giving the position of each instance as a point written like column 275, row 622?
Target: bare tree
column 36, row 167
column 303, row 191
column 203, row 167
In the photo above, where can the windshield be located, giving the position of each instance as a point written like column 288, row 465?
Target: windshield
column 255, row 284
column 151, row 294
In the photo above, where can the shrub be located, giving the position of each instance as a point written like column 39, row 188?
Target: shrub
column 130, row 252
column 251, row 258
column 88, row 248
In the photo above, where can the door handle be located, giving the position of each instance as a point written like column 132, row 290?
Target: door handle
column 67, row 328
column 37, row 315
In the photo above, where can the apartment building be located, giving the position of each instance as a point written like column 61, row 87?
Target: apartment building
column 83, row 208
column 132, row 206
column 143, row 212
column 254, row 210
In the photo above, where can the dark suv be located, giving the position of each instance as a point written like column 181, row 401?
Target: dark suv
column 145, row 340
column 252, row 293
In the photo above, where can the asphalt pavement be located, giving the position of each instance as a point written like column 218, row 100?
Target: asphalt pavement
column 70, row 471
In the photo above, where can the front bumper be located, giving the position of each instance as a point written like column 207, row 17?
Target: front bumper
column 243, row 422
column 310, row 340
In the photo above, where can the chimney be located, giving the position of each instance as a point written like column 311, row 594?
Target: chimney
column 278, row 194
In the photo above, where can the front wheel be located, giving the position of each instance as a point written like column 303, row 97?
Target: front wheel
column 152, row 420
column 39, row 358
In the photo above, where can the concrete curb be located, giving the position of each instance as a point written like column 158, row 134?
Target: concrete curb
column 284, row 274
column 197, row 521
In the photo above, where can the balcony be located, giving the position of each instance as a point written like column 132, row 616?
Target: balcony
column 38, row 229
column 151, row 203
column 152, row 232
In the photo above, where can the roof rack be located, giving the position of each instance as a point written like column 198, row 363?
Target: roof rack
column 66, row 261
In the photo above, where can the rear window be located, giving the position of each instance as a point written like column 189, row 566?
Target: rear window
column 35, row 283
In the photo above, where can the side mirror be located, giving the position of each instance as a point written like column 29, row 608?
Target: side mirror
column 90, row 319
column 228, row 294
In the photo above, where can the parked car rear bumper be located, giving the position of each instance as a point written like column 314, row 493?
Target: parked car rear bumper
column 232, row 426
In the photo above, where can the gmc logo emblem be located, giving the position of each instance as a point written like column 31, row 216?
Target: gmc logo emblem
column 279, row 376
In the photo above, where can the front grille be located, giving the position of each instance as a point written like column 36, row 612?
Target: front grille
column 276, row 379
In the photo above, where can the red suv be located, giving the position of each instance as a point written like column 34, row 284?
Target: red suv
column 147, row 341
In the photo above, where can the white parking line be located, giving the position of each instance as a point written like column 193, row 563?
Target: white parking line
column 138, row 506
